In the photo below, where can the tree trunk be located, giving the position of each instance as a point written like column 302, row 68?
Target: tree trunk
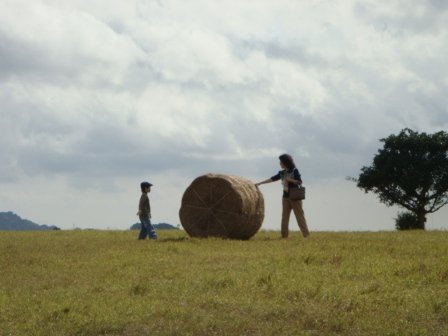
column 421, row 215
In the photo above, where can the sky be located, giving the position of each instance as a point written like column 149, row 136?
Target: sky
column 97, row 96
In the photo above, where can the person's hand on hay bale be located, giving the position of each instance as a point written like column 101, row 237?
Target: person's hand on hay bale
column 263, row 182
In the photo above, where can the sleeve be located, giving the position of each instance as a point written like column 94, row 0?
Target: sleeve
column 140, row 204
column 276, row 177
column 297, row 176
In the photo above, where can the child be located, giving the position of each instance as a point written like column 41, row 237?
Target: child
column 144, row 213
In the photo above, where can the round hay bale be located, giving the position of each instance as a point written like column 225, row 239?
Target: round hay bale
column 216, row 205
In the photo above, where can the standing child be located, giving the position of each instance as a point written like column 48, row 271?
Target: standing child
column 144, row 213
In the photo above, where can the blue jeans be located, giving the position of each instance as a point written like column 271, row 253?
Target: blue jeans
column 147, row 229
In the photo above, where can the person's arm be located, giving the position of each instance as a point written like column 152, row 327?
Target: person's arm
column 140, row 206
column 269, row 180
column 293, row 181
column 296, row 180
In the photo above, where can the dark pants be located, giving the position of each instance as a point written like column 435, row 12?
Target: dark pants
column 147, row 229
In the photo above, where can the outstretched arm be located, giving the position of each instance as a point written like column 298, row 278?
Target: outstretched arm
column 264, row 182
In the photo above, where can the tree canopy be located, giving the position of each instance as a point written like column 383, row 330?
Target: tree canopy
column 411, row 170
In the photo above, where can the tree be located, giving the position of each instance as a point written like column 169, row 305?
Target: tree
column 411, row 171
column 406, row 221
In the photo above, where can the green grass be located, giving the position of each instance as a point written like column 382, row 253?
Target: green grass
column 108, row 283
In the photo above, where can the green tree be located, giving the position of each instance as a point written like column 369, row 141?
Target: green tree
column 411, row 171
column 406, row 221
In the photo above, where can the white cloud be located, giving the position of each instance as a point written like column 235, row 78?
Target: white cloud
column 98, row 95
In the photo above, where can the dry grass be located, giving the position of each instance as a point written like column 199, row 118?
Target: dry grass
column 108, row 283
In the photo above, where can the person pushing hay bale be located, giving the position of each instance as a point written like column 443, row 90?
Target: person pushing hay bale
column 217, row 205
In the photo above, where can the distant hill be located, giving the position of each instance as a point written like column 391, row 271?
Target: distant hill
column 160, row 226
column 11, row 221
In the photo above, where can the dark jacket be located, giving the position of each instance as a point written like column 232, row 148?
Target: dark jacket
column 282, row 174
column 144, row 207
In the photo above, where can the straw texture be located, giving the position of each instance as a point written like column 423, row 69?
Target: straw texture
column 217, row 205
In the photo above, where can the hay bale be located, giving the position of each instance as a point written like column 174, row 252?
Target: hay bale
column 222, row 206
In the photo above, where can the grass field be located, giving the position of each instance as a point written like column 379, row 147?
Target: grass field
column 108, row 283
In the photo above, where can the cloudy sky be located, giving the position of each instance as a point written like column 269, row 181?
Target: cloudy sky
column 96, row 96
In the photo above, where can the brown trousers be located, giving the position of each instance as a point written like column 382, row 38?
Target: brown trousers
column 296, row 206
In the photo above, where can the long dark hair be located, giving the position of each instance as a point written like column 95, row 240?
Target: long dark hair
column 288, row 161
